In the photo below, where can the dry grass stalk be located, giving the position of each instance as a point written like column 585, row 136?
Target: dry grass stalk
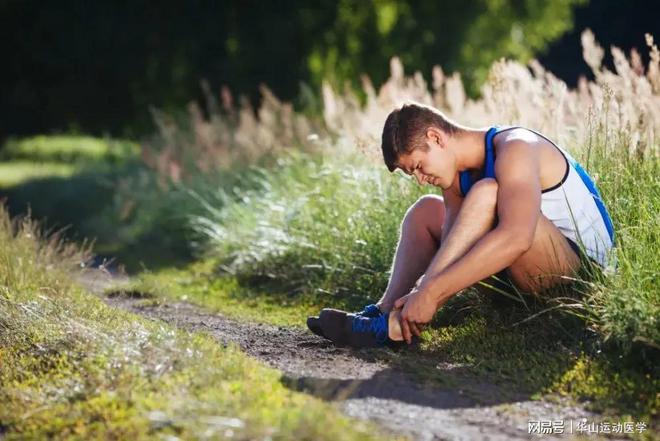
column 626, row 100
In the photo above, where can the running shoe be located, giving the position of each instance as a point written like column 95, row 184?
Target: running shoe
column 370, row 310
column 355, row 330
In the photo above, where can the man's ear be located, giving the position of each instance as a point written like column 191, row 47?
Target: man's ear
column 437, row 136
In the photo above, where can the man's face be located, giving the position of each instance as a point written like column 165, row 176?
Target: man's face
column 437, row 166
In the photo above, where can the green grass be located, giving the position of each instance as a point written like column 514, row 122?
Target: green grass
column 15, row 173
column 73, row 368
column 557, row 356
column 66, row 180
column 97, row 190
column 199, row 283
column 315, row 228
column 68, row 149
column 625, row 309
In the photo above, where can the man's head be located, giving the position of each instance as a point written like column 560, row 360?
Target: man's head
column 415, row 139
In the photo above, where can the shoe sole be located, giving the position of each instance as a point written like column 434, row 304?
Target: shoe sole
column 334, row 324
column 314, row 325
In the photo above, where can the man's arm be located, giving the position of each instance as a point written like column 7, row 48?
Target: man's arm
column 452, row 207
column 518, row 208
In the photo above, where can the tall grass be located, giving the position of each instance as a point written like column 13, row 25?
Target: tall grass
column 625, row 308
column 326, row 223
column 231, row 136
column 312, row 226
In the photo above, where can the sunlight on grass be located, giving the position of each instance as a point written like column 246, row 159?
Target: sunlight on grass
column 286, row 232
column 68, row 148
column 541, row 359
column 18, row 172
column 200, row 284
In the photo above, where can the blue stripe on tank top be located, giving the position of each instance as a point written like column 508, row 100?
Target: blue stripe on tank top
column 465, row 180
column 490, row 153
column 589, row 183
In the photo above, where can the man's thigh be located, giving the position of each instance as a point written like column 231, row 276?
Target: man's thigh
column 548, row 262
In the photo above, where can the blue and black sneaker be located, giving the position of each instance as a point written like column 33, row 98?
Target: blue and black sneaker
column 370, row 310
column 355, row 330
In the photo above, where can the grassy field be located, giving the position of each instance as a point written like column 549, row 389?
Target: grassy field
column 76, row 149
column 15, row 173
column 70, row 367
column 331, row 245
column 63, row 179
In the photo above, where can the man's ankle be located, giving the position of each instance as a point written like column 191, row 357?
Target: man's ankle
column 394, row 332
column 385, row 307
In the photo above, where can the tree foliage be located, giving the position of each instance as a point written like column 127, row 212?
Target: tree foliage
column 100, row 65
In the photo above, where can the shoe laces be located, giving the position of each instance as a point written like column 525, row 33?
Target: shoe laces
column 370, row 311
column 378, row 326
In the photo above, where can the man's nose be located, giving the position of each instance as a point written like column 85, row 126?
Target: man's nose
column 419, row 178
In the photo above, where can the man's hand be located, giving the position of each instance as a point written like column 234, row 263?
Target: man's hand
column 418, row 309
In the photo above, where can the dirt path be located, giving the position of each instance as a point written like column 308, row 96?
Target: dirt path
column 371, row 384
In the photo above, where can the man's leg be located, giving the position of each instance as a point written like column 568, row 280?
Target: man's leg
column 548, row 262
column 421, row 231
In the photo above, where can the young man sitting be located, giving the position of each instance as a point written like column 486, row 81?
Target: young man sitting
column 513, row 203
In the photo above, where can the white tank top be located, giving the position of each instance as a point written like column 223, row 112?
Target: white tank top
column 574, row 205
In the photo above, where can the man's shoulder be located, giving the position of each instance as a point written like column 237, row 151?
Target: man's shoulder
column 515, row 135
column 516, row 144
column 517, row 158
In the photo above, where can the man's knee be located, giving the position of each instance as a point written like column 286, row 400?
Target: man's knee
column 484, row 191
column 427, row 211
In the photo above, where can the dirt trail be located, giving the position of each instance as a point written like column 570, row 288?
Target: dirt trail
column 371, row 384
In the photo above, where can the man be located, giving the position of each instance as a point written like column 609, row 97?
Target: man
column 513, row 204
